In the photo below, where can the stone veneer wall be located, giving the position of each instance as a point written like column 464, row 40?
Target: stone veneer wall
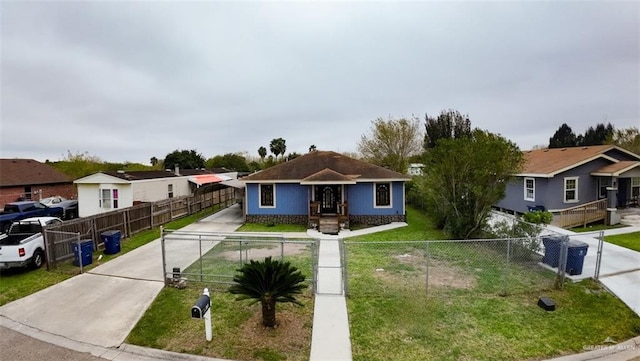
column 276, row 219
column 377, row 220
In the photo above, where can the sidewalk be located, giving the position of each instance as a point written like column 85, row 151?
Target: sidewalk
column 619, row 268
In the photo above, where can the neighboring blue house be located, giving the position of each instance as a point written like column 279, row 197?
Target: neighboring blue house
column 562, row 178
column 326, row 190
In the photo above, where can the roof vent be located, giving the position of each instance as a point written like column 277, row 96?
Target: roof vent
column 120, row 172
column 563, row 149
column 585, row 147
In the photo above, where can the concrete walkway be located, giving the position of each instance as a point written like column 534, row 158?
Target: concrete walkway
column 619, row 268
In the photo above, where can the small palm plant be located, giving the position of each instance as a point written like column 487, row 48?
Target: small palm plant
column 268, row 282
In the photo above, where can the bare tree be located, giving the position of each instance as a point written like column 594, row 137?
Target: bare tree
column 391, row 142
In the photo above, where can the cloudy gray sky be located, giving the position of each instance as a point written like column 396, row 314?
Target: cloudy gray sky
column 126, row 81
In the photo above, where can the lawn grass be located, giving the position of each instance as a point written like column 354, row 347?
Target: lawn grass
column 20, row 282
column 594, row 227
column 628, row 240
column 237, row 330
column 463, row 316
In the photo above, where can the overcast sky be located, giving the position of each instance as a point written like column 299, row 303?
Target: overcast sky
column 127, row 81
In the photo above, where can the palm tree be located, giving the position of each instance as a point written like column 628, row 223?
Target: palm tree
column 274, row 147
column 268, row 282
column 312, row 148
column 262, row 151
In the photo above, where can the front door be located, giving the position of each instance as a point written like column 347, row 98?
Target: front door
column 329, row 197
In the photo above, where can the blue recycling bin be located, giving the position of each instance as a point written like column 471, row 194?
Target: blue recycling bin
column 111, row 241
column 86, row 248
column 552, row 245
column 576, row 251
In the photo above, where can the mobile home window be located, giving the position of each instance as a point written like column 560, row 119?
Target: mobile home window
column 115, row 198
column 571, row 190
column 529, row 189
column 170, row 191
column 267, row 195
column 382, row 194
column 105, row 198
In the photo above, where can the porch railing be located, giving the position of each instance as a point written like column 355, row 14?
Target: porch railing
column 583, row 214
column 315, row 212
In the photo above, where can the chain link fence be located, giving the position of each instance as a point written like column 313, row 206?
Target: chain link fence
column 444, row 269
column 214, row 257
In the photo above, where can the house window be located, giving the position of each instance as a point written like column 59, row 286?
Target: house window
column 603, row 183
column 170, row 191
column 635, row 187
column 105, row 198
column 27, row 193
column 571, row 190
column 267, row 196
column 382, row 195
column 115, row 198
column 529, row 189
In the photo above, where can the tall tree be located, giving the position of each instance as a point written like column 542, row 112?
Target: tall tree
column 185, row 159
column 596, row 136
column 312, row 148
column 262, row 152
column 627, row 138
column 278, row 146
column 563, row 137
column 231, row 161
column 268, row 282
column 391, row 142
column 450, row 124
column 465, row 177
column 154, row 161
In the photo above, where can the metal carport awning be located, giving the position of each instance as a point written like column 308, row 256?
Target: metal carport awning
column 203, row 179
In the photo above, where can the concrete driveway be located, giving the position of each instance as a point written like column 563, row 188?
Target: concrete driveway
column 102, row 306
column 619, row 268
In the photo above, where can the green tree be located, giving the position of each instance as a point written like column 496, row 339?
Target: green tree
column 312, row 148
column 628, row 138
column 450, row 124
column 563, row 137
column 262, row 152
column 391, row 142
column 268, row 282
column 278, row 146
column 231, row 161
column 465, row 177
column 153, row 161
column 596, row 136
column 185, row 159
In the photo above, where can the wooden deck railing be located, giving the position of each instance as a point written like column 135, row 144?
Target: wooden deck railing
column 583, row 214
column 315, row 213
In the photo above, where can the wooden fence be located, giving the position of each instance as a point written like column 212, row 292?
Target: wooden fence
column 59, row 239
column 583, row 215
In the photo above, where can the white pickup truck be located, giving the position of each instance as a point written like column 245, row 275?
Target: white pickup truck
column 23, row 245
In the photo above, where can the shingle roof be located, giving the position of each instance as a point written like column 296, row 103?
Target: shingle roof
column 555, row 160
column 616, row 169
column 317, row 161
column 21, row 172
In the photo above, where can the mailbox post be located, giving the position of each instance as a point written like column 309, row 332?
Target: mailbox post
column 202, row 309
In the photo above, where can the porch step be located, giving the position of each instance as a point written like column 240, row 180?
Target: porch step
column 631, row 220
column 329, row 225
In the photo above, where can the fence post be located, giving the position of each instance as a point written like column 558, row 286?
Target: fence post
column 562, row 262
column 427, row 261
column 596, row 274
column 164, row 258
column 200, row 247
column 506, row 269
column 344, row 264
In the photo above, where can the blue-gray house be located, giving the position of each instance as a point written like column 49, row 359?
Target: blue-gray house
column 326, row 190
column 561, row 179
